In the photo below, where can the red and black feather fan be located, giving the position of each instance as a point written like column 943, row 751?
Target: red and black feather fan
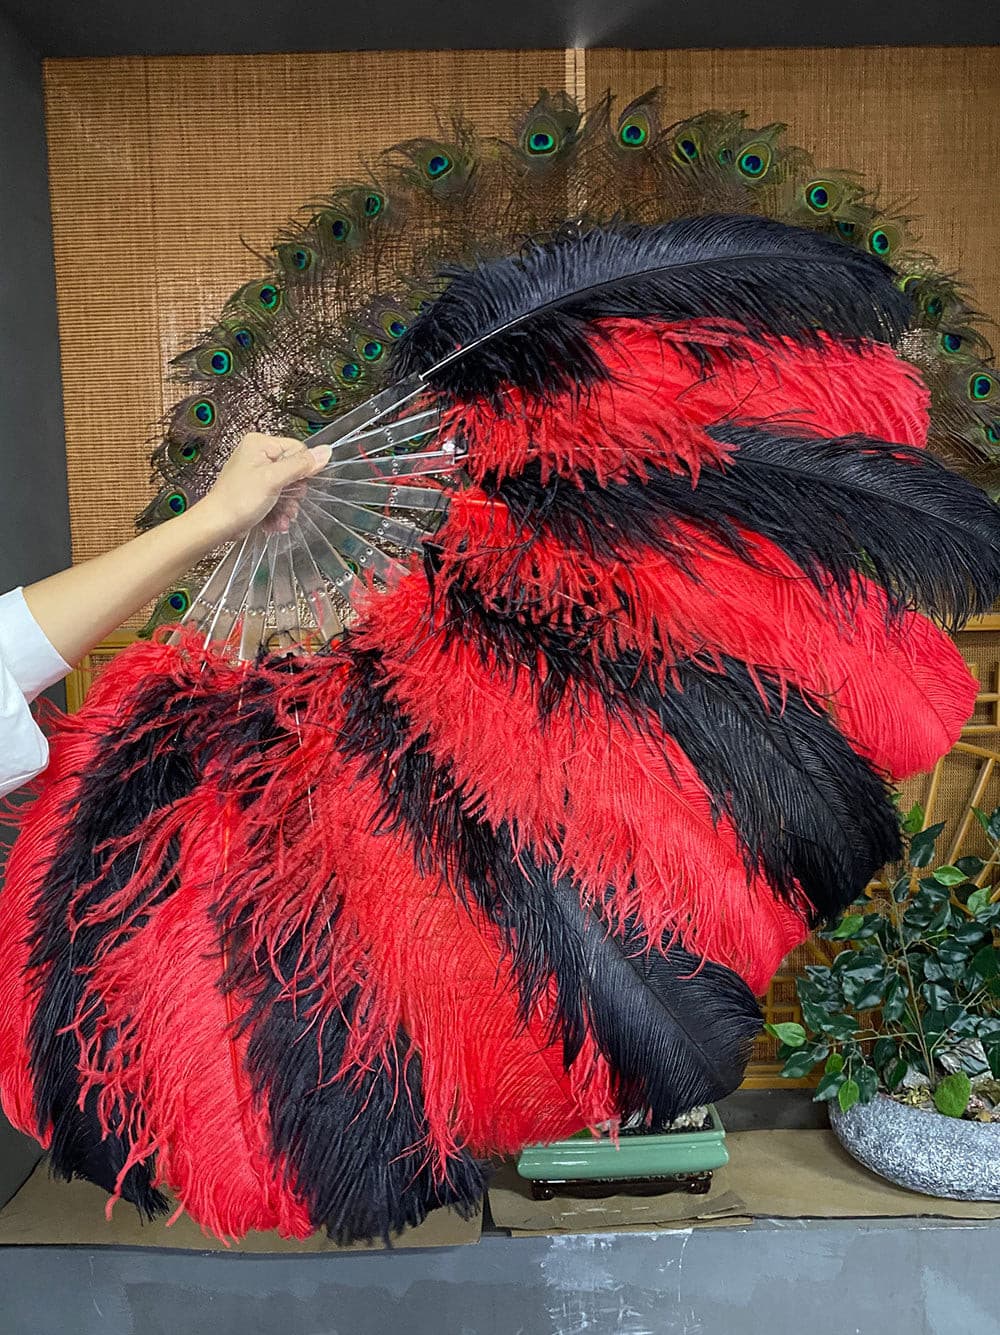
column 308, row 938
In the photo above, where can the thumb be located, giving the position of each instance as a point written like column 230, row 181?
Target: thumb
column 320, row 456
column 300, row 464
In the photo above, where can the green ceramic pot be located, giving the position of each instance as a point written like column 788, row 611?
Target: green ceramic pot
column 585, row 1158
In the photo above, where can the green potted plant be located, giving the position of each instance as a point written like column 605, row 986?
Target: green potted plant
column 903, row 1026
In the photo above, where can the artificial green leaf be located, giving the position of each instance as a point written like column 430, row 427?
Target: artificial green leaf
column 985, row 963
column 839, row 1026
column 847, row 1095
column 894, row 1002
column 932, row 969
column 953, row 957
column 870, row 926
column 991, row 1046
column 970, row 865
column 901, row 889
column 799, row 1064
column 886, row 1050
column 979, row 899
column 953, row 1020
column 867, row 1083
column 895, row 1074
column 936, row 995
column 847, row 927
column 814, row 1016
column 922, row 845
column 793, row 1035
column 951, row 1096
column 990, row 823
column 834, row 1063
column 968, row 933
column 865, row 994
column 913, row 821
column 949, row 875
column 828, row 1086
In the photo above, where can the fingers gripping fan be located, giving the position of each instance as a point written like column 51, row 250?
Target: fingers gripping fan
column 477, row 808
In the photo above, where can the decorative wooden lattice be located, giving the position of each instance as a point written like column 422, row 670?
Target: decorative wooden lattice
column 968, row 776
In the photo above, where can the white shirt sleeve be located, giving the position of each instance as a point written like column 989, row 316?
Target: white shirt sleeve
column 28, row 664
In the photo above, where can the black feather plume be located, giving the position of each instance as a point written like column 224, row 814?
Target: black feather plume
column 354, row 1146
column 838, row 507
column 107, row 809
column 812, row 814
column 676, row 1030
column 527, row 321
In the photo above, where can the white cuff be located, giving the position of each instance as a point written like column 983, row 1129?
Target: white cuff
column 25, row 649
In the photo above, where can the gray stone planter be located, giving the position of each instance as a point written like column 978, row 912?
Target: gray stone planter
column 939, row 1156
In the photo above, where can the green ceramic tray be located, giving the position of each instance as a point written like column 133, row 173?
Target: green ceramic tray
column 584, row 1158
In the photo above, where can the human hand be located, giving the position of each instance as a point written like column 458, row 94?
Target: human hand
column 263, row 478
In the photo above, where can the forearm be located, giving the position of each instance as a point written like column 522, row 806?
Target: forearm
column 79, row 607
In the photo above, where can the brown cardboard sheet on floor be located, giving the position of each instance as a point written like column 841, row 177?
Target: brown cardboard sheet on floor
column 49, row 1213
column 771, row 1175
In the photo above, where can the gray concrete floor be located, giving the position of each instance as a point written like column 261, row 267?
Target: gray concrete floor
column 824, row 1278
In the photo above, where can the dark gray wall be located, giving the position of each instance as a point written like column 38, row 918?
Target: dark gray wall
column 34, row 518
column 122, row 27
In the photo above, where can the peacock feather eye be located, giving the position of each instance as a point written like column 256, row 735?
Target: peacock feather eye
column 818, row 197
column 438, row 165
column 981, row 386
column 541, row 143
column 754, row 161
column 395, row 327
column 352, row 566
column 244, row 337
column 302, row 258
column 177, row 502
column 933, row 307
column 178, row 601
column 324, row 400
column 221, row 361
column 350, row 371
column 952, row 343
column 634, row 132
column 269, row 296
column 340, row 229
column 879, row 242
column 204, row 412
column 846, row 229
column 726, row 156
column 992, row 432
column 372, row 350
column 687, row 149
column 374, row 204
column 189, row 451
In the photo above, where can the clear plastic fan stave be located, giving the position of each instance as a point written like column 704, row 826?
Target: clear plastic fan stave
column 359, row 521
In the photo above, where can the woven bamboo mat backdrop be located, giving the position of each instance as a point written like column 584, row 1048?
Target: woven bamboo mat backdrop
column 159, row 167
